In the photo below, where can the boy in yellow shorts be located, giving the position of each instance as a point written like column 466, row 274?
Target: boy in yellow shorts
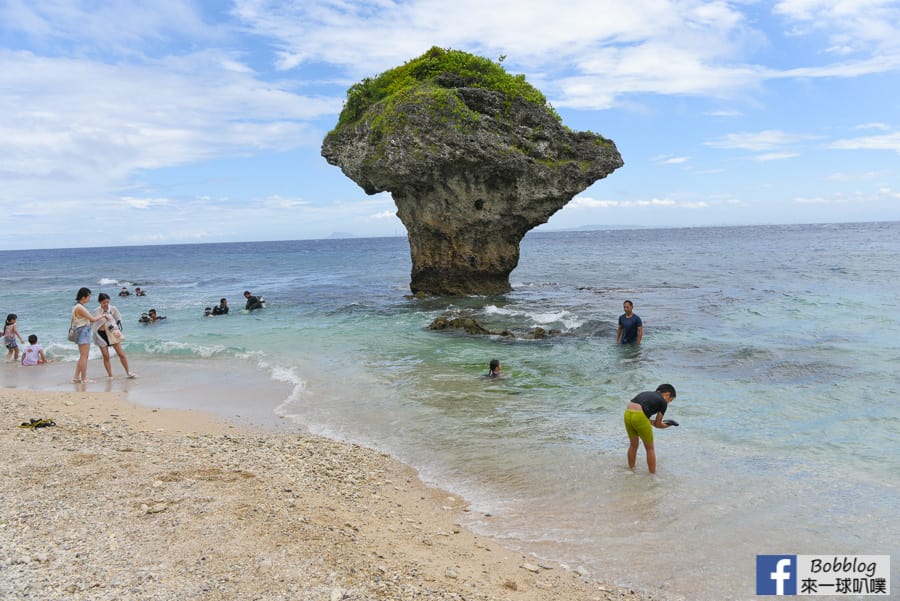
column 638, row 425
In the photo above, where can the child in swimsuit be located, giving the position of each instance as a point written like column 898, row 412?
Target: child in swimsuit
column 10, row 333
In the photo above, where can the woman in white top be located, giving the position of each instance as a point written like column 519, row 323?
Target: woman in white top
column 104, row 339
column 82, row 319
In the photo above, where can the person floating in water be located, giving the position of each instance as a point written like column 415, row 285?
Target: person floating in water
column 221, row 308
column 139, row 292
column 253, row 302
column 151, row 316
column 124, row 292
column 494, row 368
column 638, row 425
column 207, row 312
column 631, row 328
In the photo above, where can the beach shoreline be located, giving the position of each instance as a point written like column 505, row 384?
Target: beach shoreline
column 124, row 500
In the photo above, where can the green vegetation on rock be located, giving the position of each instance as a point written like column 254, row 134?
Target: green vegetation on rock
column 431, row 76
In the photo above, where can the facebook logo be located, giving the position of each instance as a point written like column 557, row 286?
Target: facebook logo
column 776, row 574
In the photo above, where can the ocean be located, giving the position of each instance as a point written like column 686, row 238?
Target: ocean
column 783, row 343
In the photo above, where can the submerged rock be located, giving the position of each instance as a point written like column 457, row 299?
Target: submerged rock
column 473, row 157
column 471, row 325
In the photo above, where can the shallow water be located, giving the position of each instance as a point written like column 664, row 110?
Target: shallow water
column 783, row 343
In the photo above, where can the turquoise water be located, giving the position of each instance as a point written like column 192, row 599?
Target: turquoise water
column 783, row 343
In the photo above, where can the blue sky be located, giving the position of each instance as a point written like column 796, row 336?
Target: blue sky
column 132, row 122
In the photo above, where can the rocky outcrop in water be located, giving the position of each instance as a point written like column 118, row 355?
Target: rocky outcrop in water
column 473, row 157
column 472, row 326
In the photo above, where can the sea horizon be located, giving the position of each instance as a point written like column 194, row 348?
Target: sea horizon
column 352, row 236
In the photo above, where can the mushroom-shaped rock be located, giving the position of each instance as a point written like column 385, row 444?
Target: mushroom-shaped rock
column 473, row 157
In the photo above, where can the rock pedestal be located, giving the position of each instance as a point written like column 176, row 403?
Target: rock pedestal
column 471, row 170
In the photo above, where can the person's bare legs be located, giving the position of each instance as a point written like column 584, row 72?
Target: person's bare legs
column 104, row 350
column 651, row 457
column 632, row 451
column 122, row 358
column 81, row 366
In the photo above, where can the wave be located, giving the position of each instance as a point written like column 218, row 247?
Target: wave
column 287, row 375
column 176, row 348
column 562, row 317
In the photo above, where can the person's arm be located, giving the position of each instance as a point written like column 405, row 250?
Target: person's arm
column 22, row 340
column 42, row 356
column 88, row 315
column 640, row 335
column 658, row 422
column 619, row 333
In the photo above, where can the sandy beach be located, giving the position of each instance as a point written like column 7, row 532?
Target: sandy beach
column 125, row 501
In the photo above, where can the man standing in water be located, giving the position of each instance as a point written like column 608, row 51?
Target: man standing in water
column 638, row 425
column 631, row 328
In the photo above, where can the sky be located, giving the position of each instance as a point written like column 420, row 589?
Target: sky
column 126, row 122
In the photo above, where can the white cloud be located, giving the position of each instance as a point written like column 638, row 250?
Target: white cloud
column 655, row 68
column 848, row 69
column 125, row 27
column 666, row 47
column 385, row 215
column 840, row 198
column 850, row 25
column 683, row 49
column 145, row 203
column 592, row 203
column 278, row 202
column 879, row 126
column 759, row 141
column 76, row 127
column 849, row 177
column 775, row 156
column 670, row 160
column 886, row 142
